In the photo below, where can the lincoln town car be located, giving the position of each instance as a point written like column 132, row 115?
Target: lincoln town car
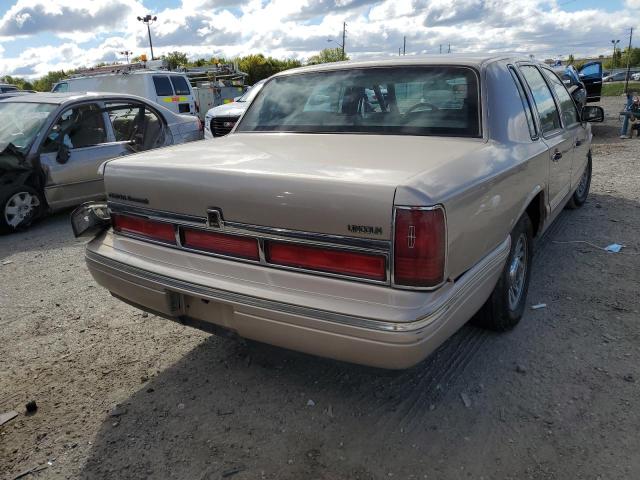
column 362, row 211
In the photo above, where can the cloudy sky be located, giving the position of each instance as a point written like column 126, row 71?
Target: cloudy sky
column 41, row 35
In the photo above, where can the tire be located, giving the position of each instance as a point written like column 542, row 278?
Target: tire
column 504, row 308
column 19, row 207
column 582, row 191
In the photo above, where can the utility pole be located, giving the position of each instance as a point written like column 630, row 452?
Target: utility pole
column 449, row 49
column 399, row 51
column 344, row 36
column 404, row 46
column 440, row 48
column 626, row 84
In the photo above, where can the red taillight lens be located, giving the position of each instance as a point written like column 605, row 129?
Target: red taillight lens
column 419, row 247
column 327, row 260
column 221, row 243
column 163, row 232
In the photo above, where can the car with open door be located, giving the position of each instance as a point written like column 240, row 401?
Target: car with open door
column 591, row 75
column 51, row 146
column 362, row 211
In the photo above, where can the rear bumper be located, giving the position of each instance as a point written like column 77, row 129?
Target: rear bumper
column 338, row 333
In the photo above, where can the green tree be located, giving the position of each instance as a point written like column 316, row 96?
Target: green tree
column 176, row 59
column 45, row 83
column 259, row 67
column 21, row 83
column 327, row 55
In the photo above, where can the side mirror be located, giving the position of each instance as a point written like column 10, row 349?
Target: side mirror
column 63, row 154
column 592, row 114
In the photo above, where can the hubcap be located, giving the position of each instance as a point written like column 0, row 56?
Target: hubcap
column 19, row 208
column 517, row 272
column 584, row 181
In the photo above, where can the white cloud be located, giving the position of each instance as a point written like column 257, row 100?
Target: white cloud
column 286, row 28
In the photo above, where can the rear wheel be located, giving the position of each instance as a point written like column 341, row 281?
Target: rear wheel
column 19, row 207
column 582, row 191
column 504, row 308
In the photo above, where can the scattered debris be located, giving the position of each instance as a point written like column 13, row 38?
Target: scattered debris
column 30, row 471
column 117, row 411
column 311, row 403
column 629, row 378
column 231, row 472
column 7, row 416
column 432, row 407
column 181, row 406
column 222, row 413
column 521, row 369
column 613, row 248
column 7, row 262
column 31, row 407
column 538, row 306
column 330, row 411
column 145, row 314
column 465, row 399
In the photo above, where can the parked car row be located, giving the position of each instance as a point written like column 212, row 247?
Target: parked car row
column 362, row 211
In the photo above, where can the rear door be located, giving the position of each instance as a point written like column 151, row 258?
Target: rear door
column 591, row 76
column 164, row 92
column 81, row 132
column 559, row 140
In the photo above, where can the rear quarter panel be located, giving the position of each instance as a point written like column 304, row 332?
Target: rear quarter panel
column 485, row 193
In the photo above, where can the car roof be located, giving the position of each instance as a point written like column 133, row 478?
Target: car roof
column 468, row 60
column 60, row 98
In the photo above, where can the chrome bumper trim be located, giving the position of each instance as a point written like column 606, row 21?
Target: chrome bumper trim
column 466, row 285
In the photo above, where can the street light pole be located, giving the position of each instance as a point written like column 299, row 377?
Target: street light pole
column 126, row 53
column 148, row 19
column 613, row 59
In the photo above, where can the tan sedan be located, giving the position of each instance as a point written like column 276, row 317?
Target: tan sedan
column 362, row 211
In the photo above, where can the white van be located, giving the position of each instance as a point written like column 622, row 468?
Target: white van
column 170, row 89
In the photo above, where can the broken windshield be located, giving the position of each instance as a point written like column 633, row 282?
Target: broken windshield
column 21, row 122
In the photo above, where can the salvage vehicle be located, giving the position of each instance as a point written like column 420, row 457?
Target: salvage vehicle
column 571, row 79
column 369, row 232
column 51, row 146
column 220, row 120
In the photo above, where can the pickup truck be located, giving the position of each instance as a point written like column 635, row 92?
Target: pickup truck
column 362, row 211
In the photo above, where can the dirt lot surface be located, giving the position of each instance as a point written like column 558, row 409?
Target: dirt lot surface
column 122, row 394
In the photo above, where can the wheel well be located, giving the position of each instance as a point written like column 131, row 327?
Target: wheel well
column 535, row 210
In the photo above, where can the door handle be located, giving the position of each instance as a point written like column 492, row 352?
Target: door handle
column 578, row 143
column 557, row 155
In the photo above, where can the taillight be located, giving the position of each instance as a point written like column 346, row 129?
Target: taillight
column 221, row 243
column 419, row 247
column 160, row 231
column 341, row 262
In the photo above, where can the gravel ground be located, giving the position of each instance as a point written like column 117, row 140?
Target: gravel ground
column 122, row 394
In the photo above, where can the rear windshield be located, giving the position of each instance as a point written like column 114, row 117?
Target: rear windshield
column 180, row 85
column 400, row 100
column 163, row 86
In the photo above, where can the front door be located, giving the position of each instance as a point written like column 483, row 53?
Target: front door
column 591, row 76
column 71, row 153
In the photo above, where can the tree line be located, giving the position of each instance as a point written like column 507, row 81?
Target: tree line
column 257, row 66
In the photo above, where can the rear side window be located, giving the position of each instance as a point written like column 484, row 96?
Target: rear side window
column 543, row 99
column 525, row 104
column 567, row 107
column 163, row 86
column 180, row 85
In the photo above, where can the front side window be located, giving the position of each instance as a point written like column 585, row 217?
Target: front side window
column 542, row 97
column 21, row 122
column 393, row 100
column 62, row 87
column 77, row 127
column 135, row 124
column 567, row 107
column 180, row 85
column 163, row 86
